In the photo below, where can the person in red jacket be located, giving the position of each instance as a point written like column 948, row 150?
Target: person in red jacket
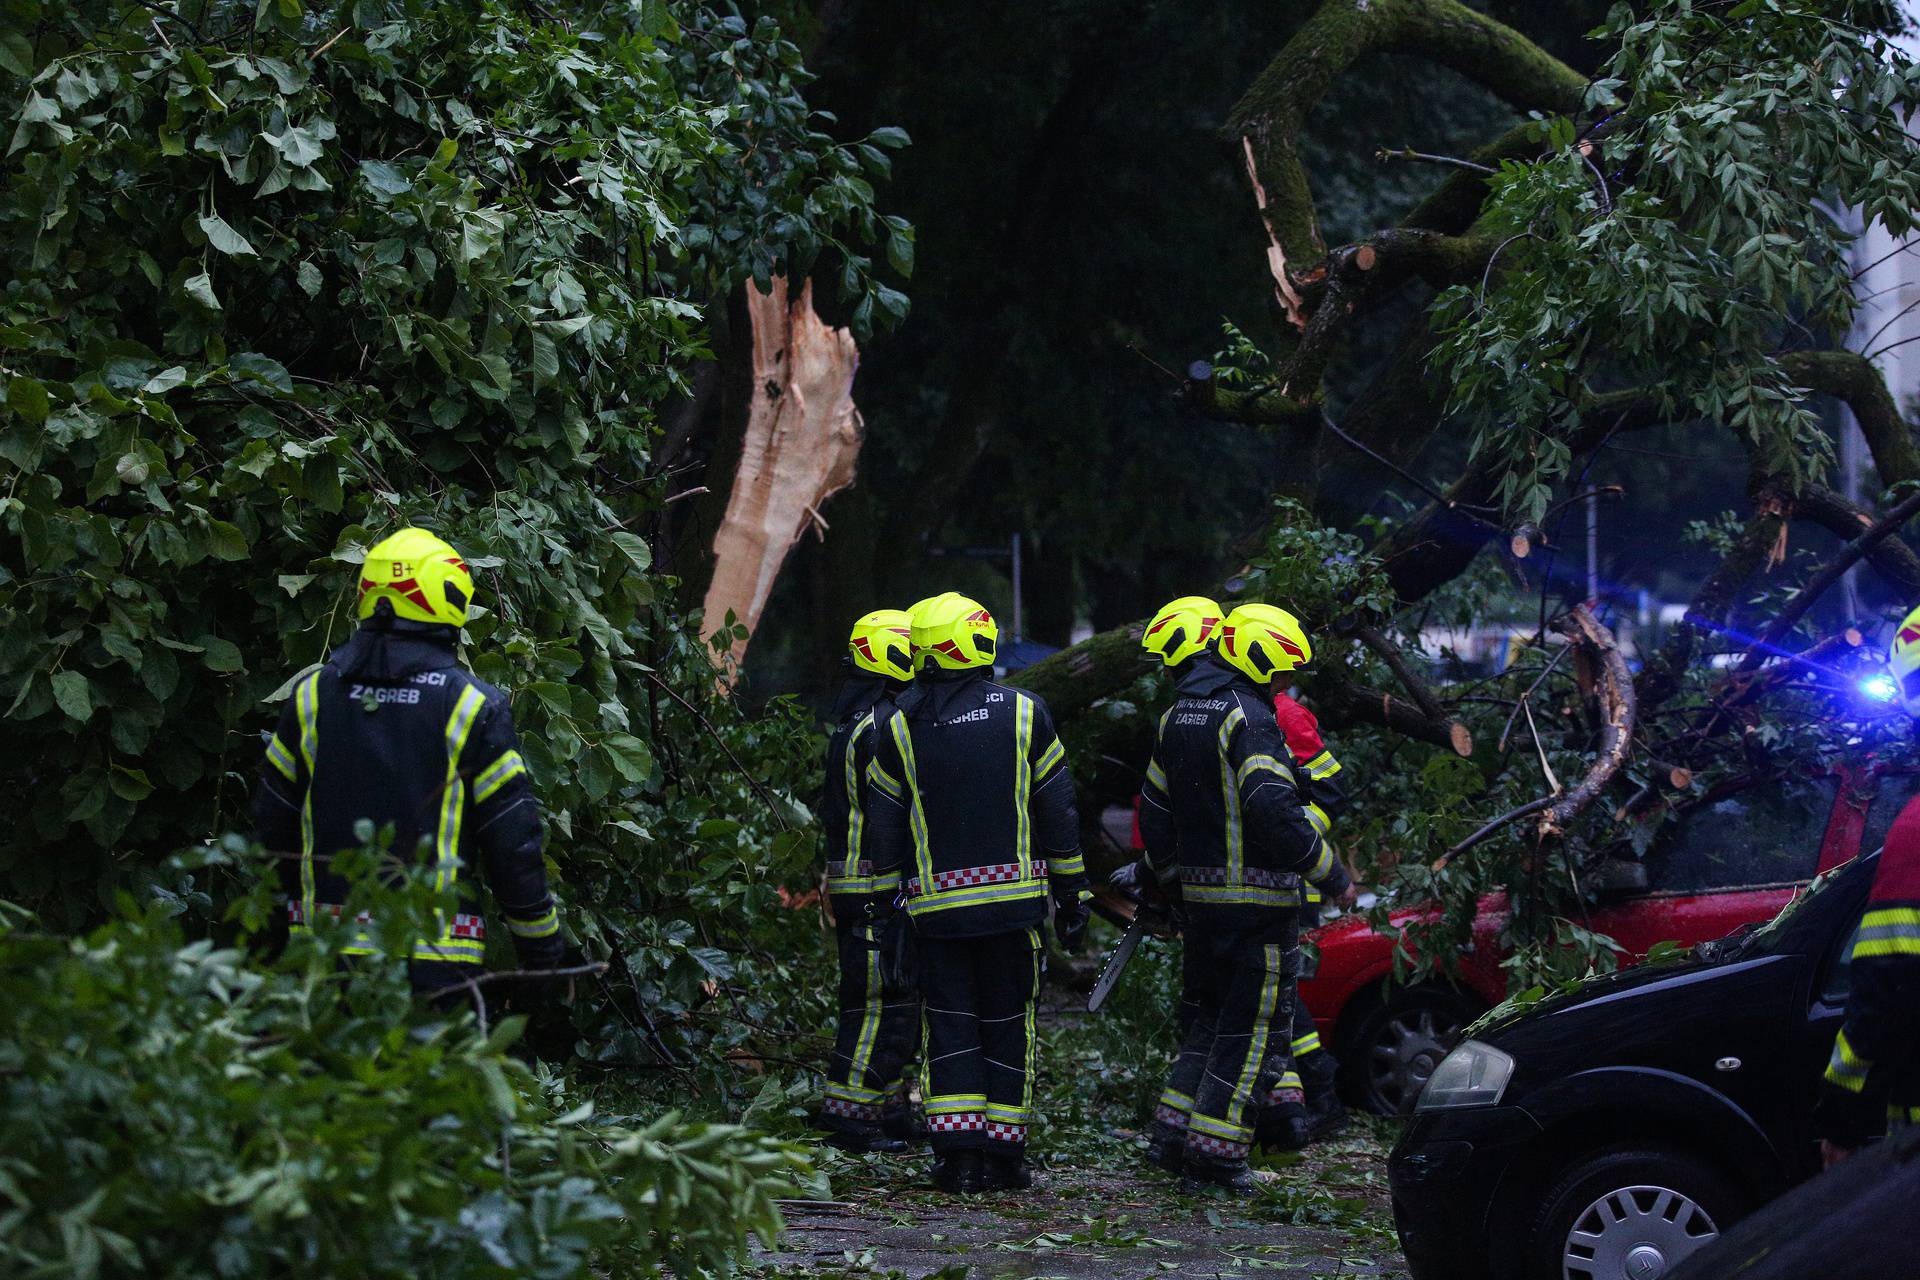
column 1873, row 1077
column 1303, row 1106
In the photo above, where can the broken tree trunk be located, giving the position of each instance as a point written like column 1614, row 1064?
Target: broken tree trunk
column 801, row 446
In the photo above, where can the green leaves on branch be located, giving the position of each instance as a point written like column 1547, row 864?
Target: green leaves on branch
column 170, row 1108
column 263, row 302
column 1685, row 240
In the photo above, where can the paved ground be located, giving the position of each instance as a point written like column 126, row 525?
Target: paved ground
column 1321, row 1216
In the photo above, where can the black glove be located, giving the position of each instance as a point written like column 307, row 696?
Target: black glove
column 899, row 953
column 1070, row 924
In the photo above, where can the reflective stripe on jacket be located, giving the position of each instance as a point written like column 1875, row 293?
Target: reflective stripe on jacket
column 1221, row 810
column 852, row 883
column 973, row 806
column 391, row 731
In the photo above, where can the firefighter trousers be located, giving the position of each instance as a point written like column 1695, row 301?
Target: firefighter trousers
column 978, row 997
column 1236, row 1016
column 875, row 1038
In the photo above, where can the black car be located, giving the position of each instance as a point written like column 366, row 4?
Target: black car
column 1609, row 1132
column 1863, row 1208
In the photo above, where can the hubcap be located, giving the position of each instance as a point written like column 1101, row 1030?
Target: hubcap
column 1405, row 1053
column 1635, row 1233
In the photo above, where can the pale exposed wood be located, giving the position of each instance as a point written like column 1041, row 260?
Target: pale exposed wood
column 1283, row 290
column 801, row 446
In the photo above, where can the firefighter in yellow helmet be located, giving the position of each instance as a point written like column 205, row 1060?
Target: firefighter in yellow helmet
column 393, row 731
column 1222, row 811
column 973, row 808
column 865, row 1108
column 1872, row 1080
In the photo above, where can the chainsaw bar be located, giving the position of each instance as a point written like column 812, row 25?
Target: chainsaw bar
column 1117, row 962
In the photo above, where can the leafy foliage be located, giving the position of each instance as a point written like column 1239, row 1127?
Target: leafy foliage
column 1678, row 243
column 281, row 278
column 175, row 1108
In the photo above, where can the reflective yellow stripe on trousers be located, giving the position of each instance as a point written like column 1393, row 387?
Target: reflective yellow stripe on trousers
column 306, row 707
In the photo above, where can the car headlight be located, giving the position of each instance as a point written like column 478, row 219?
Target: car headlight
column 1473, row 1075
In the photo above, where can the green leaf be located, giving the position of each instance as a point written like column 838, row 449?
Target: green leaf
column 634, row 548
column 73, row 694
column 28, row 398
column 892, row 137
column 16, row 54
column 629, row 756
column 264, row 369
column 900, row 250
column 220, row 655
column 225, row 238
column 129, row 784
column 227, row 541
column 164, row 381
column 546, row 359
column 384, row 177
column 307, row 276
column 294, row 583
column 300, row 146
column 200, row 289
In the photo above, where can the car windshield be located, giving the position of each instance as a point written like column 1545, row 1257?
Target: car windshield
column 1751, row 941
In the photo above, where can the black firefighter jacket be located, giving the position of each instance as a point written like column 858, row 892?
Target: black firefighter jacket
column 1220, row 809
column 856, row 891
column 972, row 805
column 393, row 731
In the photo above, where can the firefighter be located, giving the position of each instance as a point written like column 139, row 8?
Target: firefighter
column 865, row 1108
column 1182, row 630
column 1873, row 1076
column 392, row 730
column 1304, row 1107
column 1221, row 812
column 972, row 806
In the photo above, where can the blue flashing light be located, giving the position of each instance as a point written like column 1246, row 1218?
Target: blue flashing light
column 1880, row 687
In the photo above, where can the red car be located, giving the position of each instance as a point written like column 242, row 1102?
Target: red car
column 1734, row 857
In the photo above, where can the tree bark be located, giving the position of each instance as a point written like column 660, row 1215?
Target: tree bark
column 801, row 447
column 1074, row 679
column 1851, row 377
column 1616, row 720
column 1893, row 559
column 1268, row 119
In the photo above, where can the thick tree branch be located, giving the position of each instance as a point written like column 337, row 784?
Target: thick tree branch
column 1851, row 377
column 1389, row 653
column 1074, row 679
column 1343, row 703
column 1270, row 115
column 1768, row 645
column 1893, row 559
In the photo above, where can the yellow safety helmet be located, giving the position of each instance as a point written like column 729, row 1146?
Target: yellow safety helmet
column 882, row 643
column 1260, row 639
column 1903, row 662
column 915, row 612
column 420, row 576
column 954, row 632
column 1182, row 628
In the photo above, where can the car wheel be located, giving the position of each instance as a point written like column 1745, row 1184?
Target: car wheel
column 1629, row 1213
column 1398, row 1042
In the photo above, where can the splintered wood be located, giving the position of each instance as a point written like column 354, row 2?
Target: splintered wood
column 801, row 446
